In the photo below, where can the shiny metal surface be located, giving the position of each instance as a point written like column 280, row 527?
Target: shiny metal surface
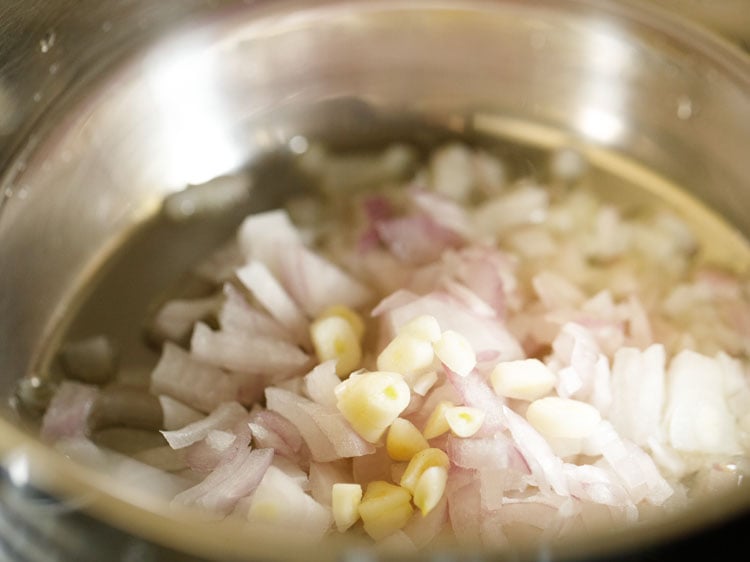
column 172, row 93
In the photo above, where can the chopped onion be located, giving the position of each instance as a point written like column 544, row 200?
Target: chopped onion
column 570, row 365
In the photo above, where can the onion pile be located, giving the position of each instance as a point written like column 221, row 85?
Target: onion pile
column 569, row 364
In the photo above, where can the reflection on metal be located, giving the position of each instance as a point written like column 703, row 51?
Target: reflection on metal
column 600, row 125
column 195, row 129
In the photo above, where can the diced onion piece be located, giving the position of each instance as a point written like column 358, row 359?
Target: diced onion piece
column 220, row 440
column 345, row 500
column 175, row 318
column 406, row 354
column 176, row 414
column 464, row 421
column 524, row 379
column 563, row 417
column 451, row 171
column 334, row 338
column 421, row 462
column 272, row 295
column 456, row 353
column 279, row 501
column 404, row 440
column 424, row 327
column 68, row 411
column 437, row 424
column 348, row 314
column 430, row 488
column 697, row 415
column 321, row 382
column 224, row 416
column 371, row 401
column 385, row 508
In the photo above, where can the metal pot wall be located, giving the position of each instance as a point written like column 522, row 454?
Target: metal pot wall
column 169, row 95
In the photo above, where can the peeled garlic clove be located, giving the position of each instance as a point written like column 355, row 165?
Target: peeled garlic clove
column 456, row 353
column 563, row 417
column 525, row 379
column 463, row 420
column 371, row 401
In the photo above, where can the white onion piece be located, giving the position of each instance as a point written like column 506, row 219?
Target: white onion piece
column 203, row 456
column 490, row 173
column 444, row 212
column 246, row 472
column 555, row 291
column 384, row 272
column 575, row 347
column 638, row 388
column 68, row 411
column 313, row 282
column 293, row 471
column 633, row 465
column 176, row 414
column 451, row 171
column 697, row 415
column 224, row 416
column 281, row 504
column 327, row 434
column 497, row 452
column 238, row 315
column 183, row 377
column 270, row 293
column 261, row 236
column 595, row 484
column 495, row 484
column 246, row 353
column 464, row 507
column 526, row 204
column 317, row 284
column 281, row 429
column 175, row 318
column 323, row 475
column 534, row 519
column 321, row 382
column 415, row 239
column 288, row 405
column 220, row 440
column 546, row 467
column 488, row 272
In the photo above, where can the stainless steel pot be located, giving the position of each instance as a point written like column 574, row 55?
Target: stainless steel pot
column 168, row 95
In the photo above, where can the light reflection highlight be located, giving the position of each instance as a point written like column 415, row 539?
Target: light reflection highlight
column 603, row 100
column 195, row 129
column 600, row 125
